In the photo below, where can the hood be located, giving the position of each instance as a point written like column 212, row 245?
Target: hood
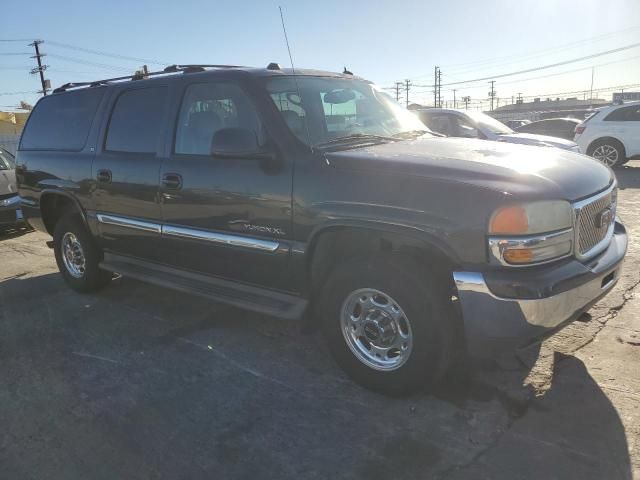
column 518, row 170
column 7, row 182
column 532, row 139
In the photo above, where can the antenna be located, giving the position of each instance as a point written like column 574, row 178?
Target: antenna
column 295, row 78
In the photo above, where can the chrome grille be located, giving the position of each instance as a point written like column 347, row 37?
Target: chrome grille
column 590, row 233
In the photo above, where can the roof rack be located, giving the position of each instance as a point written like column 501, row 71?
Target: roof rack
column 141, row 76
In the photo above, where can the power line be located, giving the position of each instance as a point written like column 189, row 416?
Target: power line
column 18, row 93
column 557, row 73
column 107, row 54
column 557, row 64
column 528, row 79
column 87, row 62
column 536, row 53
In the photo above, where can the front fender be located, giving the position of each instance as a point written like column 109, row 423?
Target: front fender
column 429, row 237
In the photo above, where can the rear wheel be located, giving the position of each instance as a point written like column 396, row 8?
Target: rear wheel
column 388, row 325
column 78, row 256
column 608, row 151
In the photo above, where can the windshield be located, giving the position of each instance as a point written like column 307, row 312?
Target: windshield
column 338, row 108
column 485, row 122
column 6, row 160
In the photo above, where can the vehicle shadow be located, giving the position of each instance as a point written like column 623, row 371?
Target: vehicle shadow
column 143, row 381
column 570, row 431
column 7, row 233
column 629, row 175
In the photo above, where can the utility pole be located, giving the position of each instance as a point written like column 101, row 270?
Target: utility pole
column 407, row 82
column 519, row 99
column 439, row 87
column 591, row 89
column 492, row 93
column 398, row 85
column 435, row 87
column 40, row 68
column 454, row 98
column 466, row 101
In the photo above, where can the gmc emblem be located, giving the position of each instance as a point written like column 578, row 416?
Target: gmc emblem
column 604, row 218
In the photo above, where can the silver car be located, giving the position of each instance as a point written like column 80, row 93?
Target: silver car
column 10, row 212
column 474, row 124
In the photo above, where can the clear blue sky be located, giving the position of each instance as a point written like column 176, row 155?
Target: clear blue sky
column 381, row 40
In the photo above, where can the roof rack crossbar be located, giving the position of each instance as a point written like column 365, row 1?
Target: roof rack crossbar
column 141, row 76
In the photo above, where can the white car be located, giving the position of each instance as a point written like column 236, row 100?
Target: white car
column 472, row 124
column 612, row 134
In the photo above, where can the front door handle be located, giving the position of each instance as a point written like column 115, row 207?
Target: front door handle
column 104, row 176
column 172, row 181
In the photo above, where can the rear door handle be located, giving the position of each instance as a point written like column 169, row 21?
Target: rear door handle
column 172, row 181
column 104, row 176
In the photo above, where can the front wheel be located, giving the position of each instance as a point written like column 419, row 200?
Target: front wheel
column 78, row 256
column 388, row 325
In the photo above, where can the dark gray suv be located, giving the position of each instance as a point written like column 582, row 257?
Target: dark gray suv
column 317, row 193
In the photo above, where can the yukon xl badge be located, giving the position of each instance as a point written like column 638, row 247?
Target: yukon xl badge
column 262, row 229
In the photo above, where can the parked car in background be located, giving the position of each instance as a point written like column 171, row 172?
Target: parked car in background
column 612, row 134
column 472, row 124
column 552, row 127
column 10, row 212
column 228, row 183
column 514, row 124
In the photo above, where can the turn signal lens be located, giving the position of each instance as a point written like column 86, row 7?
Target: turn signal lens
column 519, row 255
column 510, row 220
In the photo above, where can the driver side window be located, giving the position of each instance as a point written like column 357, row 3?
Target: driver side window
column 208, row 108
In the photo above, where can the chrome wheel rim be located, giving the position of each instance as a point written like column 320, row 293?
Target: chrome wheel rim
column 606, row 154
column 73, row 255
column 376, row 329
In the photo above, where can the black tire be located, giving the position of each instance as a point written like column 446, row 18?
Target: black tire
column 427, row 306
column 610, row 143
column 92, row 278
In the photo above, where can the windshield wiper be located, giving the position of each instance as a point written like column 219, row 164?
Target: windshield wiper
column 357, row 138
column 416, row 134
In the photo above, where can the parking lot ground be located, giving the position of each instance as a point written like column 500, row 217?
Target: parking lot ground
column 142, row 382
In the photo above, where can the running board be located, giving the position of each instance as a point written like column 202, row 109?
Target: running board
column 248, row 297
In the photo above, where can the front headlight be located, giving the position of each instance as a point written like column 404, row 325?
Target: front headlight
column 10, row 201
column 531, row 233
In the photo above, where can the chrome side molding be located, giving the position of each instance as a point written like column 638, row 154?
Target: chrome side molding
column 220, row 238
column 190, row 233
column 129, row 223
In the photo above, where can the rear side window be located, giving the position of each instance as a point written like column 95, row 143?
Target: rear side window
column 62, row 121
column 625, row 114
column 136, row 120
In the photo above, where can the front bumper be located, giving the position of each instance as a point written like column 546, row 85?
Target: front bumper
column 10, row 214
column 509, row 310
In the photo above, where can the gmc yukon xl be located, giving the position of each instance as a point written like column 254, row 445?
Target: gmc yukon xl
column 284, row 192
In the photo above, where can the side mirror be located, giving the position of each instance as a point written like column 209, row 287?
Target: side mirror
column 236, row 143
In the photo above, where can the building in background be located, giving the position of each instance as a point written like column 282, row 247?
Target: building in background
column 549, row 108
column 11, row 125
column 619, row 97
